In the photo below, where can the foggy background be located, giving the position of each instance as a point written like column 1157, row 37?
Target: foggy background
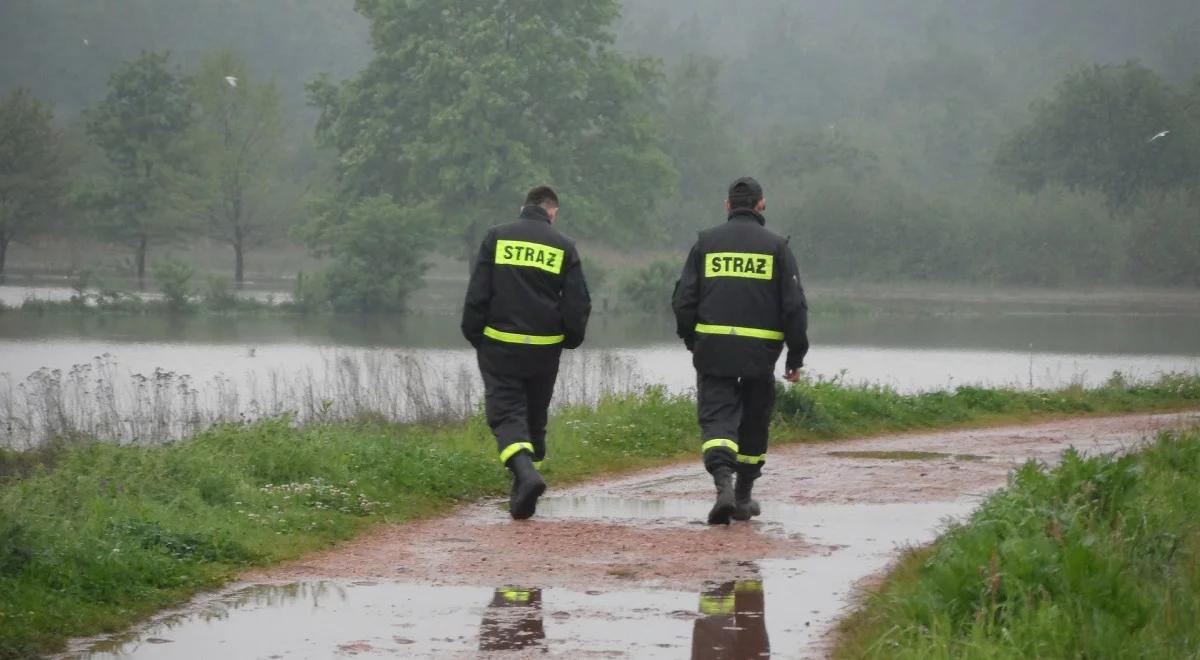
column 223, row 211
column 878, row 128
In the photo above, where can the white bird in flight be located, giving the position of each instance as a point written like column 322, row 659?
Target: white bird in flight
column 231, row 80
column 1160, row 135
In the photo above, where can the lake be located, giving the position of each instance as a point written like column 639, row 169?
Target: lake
column 214, row 368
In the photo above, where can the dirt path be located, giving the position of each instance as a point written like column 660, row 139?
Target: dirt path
column 623, row 567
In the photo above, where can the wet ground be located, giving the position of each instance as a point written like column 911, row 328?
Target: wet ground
column 623, row 568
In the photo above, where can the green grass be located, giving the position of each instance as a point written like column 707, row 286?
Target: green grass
column 94, row 536
column 1098, row 558
column 829, row 409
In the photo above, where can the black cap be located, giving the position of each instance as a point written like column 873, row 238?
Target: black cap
column 745, row 192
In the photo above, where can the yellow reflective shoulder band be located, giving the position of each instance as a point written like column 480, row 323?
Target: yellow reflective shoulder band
column 515, row 447
column 517, row 338
column 530, row 255
column 719, row 442
column 737, row 331
column 743, row 458
column 717, row 604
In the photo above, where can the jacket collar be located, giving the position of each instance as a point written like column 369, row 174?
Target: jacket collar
column 535, row 213
column 748, row 214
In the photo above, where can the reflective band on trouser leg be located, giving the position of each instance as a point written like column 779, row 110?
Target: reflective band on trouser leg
column 719, row 442
column 736, row 331
column 515, row 338
column 515, row 447
column 748, row 586
column 717, row 604
column 753, row 460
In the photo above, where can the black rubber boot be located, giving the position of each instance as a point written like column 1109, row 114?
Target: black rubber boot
column 745, row 507
column 528, row 486
column 724, row 506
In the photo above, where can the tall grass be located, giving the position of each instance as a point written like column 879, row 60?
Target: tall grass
column 98, row 401
column 1098, row 558
column 830, row 408
column 94, row 535
column 108, row 533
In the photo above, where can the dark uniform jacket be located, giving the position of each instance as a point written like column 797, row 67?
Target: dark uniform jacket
column 740, row 298
column 527, row 298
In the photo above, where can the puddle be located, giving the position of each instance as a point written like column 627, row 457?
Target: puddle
column 779, row 608
column 907, row 455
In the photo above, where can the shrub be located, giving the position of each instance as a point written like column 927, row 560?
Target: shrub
column 174, row 280
column 218, row 294
column 649, row 289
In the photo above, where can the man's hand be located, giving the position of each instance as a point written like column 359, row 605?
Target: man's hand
column 792, row 375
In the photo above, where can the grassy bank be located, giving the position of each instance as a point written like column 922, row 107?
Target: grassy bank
column 95, row 535
column 1098, row 558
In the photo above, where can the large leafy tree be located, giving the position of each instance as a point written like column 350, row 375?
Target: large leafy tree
column 239, row 138
column 466, row 104
column 1103, row 130
column 143, row 127
column 32, row 170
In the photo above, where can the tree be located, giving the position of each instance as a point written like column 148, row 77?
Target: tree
column 241, row 129
column 1098, row 132
column 377, row 249
column 32, row 170
column 792, row 157
column 465, row 105
column 696, row 134
column 142, row 127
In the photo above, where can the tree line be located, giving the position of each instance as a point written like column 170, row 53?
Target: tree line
column 933, row 176
column 165, row 156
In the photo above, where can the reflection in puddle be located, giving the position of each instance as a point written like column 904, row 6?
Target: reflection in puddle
column 727, row 619
column 733, row 623
column 322, row 620
column 513, row 620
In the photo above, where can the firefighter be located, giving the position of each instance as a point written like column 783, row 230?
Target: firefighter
column 513, row 621
column 527, row 300
column 737, row 302
column 732, row 623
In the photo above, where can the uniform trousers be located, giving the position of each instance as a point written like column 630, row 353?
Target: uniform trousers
column 735, row 417
column 517, row 405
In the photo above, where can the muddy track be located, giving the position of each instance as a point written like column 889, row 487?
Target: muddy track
column 623, row 568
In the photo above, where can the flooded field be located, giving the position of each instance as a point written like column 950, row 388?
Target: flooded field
column 205, row 369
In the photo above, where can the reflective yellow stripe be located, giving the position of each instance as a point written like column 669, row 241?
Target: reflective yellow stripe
column 515, row 447
column 742, row 458
column 751, row 586
column 736, row 331
column 717, row 604
column 516, row 595
column 514, row 338
column 719, row 442
column 529, row 255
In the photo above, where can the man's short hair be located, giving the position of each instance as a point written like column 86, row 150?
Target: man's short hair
column 745, row 193
column 540, row 196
